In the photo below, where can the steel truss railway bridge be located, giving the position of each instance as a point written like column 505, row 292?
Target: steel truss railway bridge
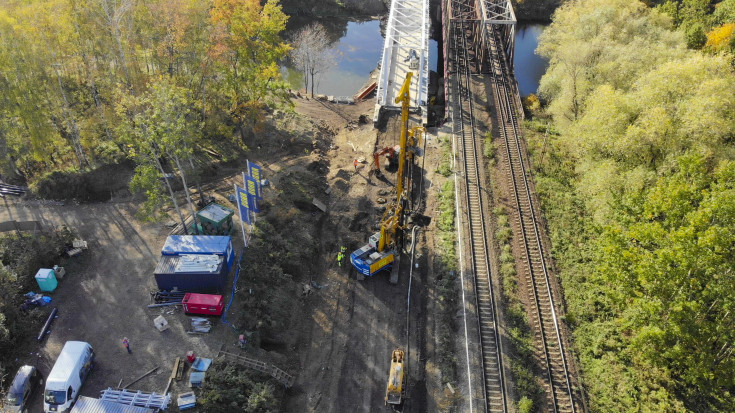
column 478, row 44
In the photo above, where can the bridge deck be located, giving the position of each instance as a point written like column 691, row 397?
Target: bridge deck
column 406, row 43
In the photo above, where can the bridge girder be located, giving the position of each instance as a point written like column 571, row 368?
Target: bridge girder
column 406, row 39
column 478, row 16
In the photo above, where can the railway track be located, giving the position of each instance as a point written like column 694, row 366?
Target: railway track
column 544, row 320
column 492, row 367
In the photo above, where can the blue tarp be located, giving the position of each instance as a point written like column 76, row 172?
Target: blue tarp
column 200, row 244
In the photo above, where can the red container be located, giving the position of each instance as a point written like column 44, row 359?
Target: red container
column 207, row 304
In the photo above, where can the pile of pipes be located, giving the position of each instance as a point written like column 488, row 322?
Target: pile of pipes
column 165, row 298
column 200, row 325
column 198, row 263
column 6, row 189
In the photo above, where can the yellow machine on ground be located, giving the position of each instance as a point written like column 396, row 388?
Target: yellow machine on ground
column 396, row 380
column 381, row 250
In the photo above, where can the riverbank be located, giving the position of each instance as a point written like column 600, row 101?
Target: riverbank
column 535, row 11
column 331, row 8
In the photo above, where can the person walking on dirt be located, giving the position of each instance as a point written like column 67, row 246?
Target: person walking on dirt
column 355, row 163
column 126, row 343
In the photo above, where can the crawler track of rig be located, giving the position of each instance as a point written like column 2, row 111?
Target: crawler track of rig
column 492, row 367
column 544, row 321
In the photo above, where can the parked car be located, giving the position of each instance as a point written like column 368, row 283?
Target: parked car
column 25, row 383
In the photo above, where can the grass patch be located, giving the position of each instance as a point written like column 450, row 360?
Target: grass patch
column 445, row 283
column 444, row 167
column 488, row 148
column 446, row 270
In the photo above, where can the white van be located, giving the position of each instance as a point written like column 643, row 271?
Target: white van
column 71, row 369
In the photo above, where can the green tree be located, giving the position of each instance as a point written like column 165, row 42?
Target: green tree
column 695, row 36
column 159, row 125
column 639, row 202
column 600, row 42
column 673, row 268
column 247, row 49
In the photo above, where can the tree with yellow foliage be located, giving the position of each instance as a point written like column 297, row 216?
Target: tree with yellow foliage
column 720, row 37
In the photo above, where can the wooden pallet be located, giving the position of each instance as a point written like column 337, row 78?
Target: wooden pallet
column 177, row 373
column 280, row 375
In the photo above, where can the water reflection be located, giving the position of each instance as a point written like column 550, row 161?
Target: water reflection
column 528, row 66
column 356, row 52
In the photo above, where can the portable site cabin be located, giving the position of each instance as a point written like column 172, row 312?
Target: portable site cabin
column 201, row 244
column 216, row 220
column 191, row 273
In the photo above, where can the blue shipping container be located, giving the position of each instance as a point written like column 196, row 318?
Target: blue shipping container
column 200, row 244
column 198, row 281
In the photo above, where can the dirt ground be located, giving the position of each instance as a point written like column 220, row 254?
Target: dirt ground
column 341, row 334
column 103, row 297
column 353, row 326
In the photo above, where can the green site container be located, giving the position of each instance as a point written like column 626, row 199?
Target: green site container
column 214, row 219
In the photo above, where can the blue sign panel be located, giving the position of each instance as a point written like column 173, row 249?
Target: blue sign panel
column 252, row 188
column 256, row 172
column 243, row 203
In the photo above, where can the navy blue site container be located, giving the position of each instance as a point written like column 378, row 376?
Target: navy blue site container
column 201, row 244
column 170, row 275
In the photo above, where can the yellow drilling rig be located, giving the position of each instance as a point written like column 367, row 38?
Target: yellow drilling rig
column 382, row 249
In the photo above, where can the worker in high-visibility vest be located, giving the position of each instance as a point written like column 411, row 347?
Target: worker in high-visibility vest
column 341, row 255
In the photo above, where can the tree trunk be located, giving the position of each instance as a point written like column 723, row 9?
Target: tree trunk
column 186, row 191
column 198, row 179
column 203, row 97
column 241, row 129
column 122, row 58
column 312, row 84
column 306, row 79
column 96, row 95
column 73, row 129
column 171, row 193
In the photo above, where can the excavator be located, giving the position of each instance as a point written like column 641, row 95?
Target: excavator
column 390, row 154
column 382, row 249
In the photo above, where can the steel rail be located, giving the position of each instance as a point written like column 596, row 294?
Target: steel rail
column 562, row 396
column 495, row 395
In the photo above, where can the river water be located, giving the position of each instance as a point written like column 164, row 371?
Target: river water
column 528, row 66
column 360, row 47
column 356, row 54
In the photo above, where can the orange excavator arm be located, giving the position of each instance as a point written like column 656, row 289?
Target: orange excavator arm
column 389, row 150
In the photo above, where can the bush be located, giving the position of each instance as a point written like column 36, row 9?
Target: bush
column 488, row 146
column 21, row 255
column 92, row 186
column 232, row 388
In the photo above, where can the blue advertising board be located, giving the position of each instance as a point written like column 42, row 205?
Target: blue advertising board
column 243, row 204
column 256, row 172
